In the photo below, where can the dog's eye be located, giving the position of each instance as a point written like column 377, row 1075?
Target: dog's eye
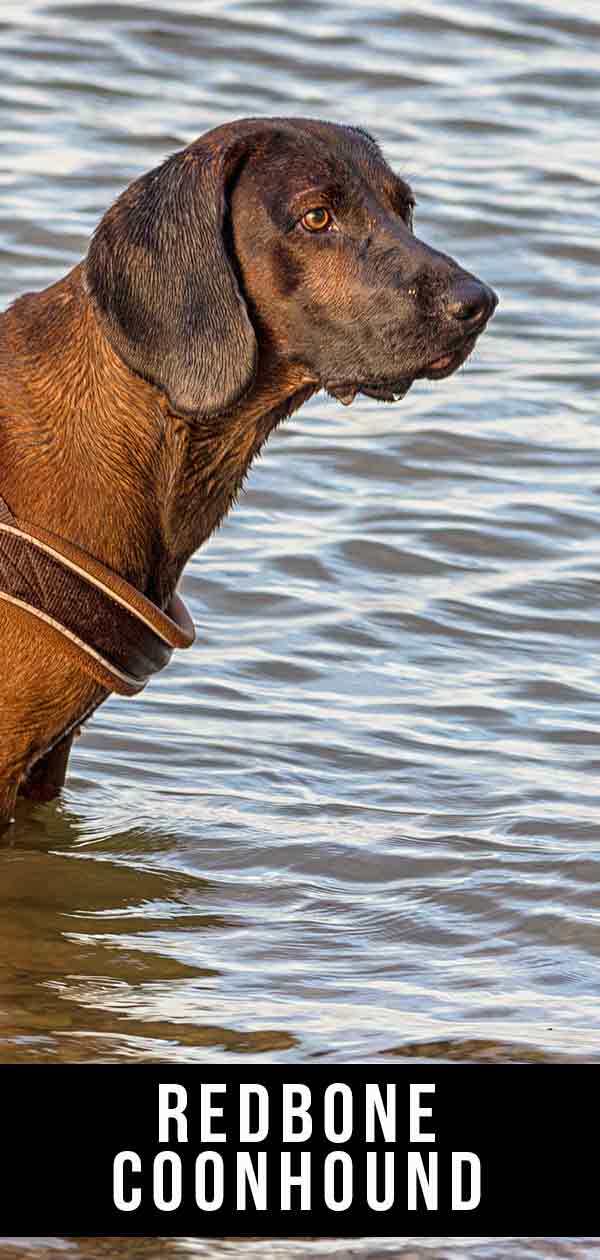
column 316, row 220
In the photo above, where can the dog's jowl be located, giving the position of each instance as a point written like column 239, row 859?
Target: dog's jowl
column 270, row 259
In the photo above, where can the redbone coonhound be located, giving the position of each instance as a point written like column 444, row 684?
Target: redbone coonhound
column 269, row 259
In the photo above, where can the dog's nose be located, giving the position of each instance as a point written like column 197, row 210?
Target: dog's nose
column 470, row 301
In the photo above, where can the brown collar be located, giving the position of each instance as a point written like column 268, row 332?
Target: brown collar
column 109, row 628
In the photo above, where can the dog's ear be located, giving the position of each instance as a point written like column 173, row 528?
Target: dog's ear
column 163, row 284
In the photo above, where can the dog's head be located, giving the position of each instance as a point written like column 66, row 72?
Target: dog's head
column 284, row 237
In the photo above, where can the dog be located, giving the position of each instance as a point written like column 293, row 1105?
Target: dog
column 269, row 259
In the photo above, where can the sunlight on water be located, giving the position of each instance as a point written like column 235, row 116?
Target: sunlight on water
column 360, row 818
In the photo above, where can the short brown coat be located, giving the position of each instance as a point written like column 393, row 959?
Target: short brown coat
column 135, row 392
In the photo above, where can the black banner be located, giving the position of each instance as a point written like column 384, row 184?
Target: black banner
column 452, row 1150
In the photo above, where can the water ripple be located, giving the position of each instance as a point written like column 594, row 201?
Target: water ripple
column 360, row 818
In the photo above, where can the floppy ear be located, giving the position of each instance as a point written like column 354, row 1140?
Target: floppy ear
column 164, row 288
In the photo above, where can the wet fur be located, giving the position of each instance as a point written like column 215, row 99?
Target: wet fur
column 135, row 392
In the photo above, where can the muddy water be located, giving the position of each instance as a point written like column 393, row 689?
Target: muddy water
column 361, row 817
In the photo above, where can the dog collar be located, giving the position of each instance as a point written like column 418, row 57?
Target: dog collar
column 107, row 626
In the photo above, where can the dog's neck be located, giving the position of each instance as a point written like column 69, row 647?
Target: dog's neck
column 92, row 452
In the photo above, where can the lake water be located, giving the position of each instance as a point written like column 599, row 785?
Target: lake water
column 361, row 818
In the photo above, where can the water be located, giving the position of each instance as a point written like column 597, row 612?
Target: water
column 360, row 818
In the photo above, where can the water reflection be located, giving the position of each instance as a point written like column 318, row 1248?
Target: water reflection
column 360, row 818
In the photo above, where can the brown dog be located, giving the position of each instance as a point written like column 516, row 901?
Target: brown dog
column 268, row 260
